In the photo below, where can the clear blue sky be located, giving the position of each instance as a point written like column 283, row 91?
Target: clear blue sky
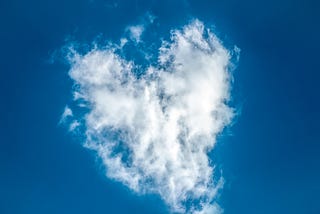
column 271, row 160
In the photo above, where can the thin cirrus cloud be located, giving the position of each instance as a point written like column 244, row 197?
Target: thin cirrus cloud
column 153, row 131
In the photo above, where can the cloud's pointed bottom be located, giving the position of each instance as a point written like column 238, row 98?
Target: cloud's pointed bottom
column 153, row 132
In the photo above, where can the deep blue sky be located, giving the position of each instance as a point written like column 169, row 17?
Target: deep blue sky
column 271, row 160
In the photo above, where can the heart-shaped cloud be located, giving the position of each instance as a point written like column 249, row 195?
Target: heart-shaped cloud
column 153, row 132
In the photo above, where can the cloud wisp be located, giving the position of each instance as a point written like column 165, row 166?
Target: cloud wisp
column 135, row 31
column 153, row 131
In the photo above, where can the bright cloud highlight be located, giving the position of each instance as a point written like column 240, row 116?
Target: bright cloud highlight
column 153, row 132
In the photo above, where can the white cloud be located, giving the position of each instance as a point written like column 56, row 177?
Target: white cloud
column 135, row 32
column 74, row 125
column 66, row 114
column 123, row 42
column 66, row 118
column 153, row 133
column 209, row 209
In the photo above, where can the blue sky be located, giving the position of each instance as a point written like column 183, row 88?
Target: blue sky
column 269, row 156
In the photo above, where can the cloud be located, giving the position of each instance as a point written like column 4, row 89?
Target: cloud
column 135, row 32
column 67, row 118
column 153, row 131
column 67, row 112
column 74, row 125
